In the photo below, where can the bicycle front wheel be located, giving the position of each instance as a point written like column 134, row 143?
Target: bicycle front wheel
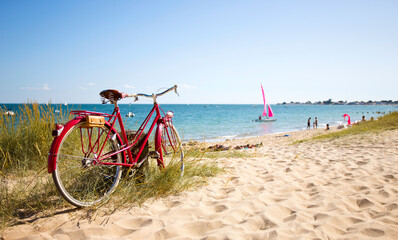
column 171, row 147
column 80, row 177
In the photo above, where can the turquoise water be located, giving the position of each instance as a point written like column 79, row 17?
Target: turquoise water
column 220, row 122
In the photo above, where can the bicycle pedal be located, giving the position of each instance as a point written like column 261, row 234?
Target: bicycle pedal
column 154, row 154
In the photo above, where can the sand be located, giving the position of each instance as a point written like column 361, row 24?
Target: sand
column 335, row 189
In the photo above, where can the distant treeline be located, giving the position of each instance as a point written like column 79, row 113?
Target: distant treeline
column 330, row 102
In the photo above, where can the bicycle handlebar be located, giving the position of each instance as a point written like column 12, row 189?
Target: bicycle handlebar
column 154, row 96
column 114, row 95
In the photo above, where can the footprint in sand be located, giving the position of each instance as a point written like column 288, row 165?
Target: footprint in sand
column 384, row 193
column 310, row 185
column 201, row 228
column 138, row 223
column 363, row 203
column 269, row 178
column 290, row 218
column 173, row 204
column 257, row 222
column 360, row 163
column 373, row 232
column 320, row 216
column 234, row 180
column 355, row 220
column 147, row 222
column 348, row 179
column 359, row 188
column 220, row 208
column 313, row 206
column 391, row 207
column 389, row 176
column 228, row 190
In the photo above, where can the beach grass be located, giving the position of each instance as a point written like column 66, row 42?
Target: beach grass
column 23, row 197
column 26, row 137
column 164, row 182
column 34, row 195
column 383, row 123
column 27, row 191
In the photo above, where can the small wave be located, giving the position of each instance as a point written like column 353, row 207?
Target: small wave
column 227, row 137
column 336, row 122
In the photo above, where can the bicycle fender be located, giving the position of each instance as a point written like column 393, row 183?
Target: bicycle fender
column 52, row 157
column 158, row 141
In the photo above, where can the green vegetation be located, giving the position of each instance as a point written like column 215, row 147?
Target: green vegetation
column 384, row 123
column 163, row 183
column 25, row 138
column 27, row 191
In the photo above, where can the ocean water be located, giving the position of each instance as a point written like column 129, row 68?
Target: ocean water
column 219, row 122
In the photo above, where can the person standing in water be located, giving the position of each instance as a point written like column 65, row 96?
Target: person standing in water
column 309, row 123
column 316, row 122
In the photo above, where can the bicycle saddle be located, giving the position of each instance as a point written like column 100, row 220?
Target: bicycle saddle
column 112, row 95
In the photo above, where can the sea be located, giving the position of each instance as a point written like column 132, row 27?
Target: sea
column 218, row 122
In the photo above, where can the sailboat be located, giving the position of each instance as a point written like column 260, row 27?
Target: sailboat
column 267, row 113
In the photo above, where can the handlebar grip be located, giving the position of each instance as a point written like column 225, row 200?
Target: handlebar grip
column 175, row 90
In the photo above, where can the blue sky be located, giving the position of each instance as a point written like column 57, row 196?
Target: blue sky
column 216, row 51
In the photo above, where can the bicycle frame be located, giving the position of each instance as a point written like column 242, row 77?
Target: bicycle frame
column 125, row 145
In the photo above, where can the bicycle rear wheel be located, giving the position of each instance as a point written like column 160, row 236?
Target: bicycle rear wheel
column 171, row 147
column 79, row 177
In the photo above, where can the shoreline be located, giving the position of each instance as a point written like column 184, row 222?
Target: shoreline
column 333, row 128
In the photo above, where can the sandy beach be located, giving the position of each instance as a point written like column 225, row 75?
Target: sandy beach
column 326, row 189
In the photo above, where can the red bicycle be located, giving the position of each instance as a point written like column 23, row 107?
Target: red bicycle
column 88, row 154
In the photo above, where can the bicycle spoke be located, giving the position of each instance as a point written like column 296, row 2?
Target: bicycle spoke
column 79, row 177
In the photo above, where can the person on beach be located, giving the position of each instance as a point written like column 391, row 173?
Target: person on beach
column 363, row 119
column 327, row 127
column 316, row 122
column 309, row 123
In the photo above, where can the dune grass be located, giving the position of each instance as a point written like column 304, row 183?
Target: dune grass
column 161, row 183
column 25, row 198
column 383, row 123
column 25, row 137
column 27, row 191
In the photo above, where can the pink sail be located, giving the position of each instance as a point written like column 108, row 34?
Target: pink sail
column 270, row 113
column 265, row 109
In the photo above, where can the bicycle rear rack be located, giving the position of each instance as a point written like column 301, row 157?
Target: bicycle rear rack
column 86, row 113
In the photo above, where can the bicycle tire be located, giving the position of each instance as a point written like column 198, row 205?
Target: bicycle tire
column 77, row 177
column 171, row 147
